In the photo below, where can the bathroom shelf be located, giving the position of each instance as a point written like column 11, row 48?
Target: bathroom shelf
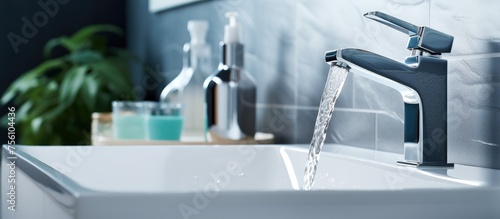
column 259, row 138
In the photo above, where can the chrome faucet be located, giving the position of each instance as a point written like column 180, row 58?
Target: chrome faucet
column 421, row 80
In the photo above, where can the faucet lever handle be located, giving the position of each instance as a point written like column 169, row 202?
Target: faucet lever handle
column 421, row 38
column 393, row 22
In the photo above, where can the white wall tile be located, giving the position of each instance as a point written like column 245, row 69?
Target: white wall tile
column 473, row 103
column 474, row 24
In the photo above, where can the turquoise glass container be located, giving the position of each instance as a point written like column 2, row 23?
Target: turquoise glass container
column 129, row 120
column 165, row 121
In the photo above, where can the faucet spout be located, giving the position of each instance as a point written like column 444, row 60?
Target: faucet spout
column 424, row 91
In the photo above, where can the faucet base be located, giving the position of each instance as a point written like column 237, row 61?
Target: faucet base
column 417, row 164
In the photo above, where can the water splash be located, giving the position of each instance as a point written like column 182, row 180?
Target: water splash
column 335, row 82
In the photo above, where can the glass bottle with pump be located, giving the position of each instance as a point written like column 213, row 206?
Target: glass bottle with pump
column 187, row 87
column 231, row 91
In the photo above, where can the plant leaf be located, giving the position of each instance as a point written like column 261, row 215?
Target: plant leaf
column 36, row 124
column 84, row 57
column 4, row 121
column 63, row 41
column 55, row 112
column 99, row 43
column 23, row 110
column 89, row 91
column 29, row 78
column 50, row 45
column 57, row 97
column 113, row 77
column 71, row 84
column 27, row 87
column 85, row 33
column 8, row 95
column 51, row 87
column 41, row 107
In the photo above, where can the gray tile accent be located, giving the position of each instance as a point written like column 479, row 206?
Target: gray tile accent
column 346, row 127
column 306, row 119
column 353, row 128
column 474, row 111
column 390, row 133
column 282, row 122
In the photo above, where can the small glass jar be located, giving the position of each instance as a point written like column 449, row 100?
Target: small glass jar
column 165, row 121
column 102, row 127
column 129, row 120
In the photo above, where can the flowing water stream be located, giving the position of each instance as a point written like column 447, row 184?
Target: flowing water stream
column 334, row 84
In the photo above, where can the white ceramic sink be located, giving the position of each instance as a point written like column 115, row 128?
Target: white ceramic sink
column 239, row 182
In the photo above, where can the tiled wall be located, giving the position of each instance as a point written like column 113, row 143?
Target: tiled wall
column 285, row 44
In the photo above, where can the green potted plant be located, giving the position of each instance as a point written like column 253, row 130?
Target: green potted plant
column 54, row 101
